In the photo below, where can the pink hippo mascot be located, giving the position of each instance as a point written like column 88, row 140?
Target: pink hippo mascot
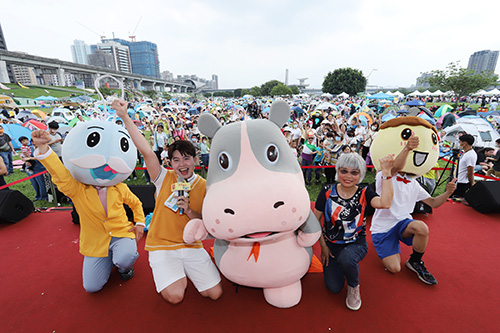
column 257, row 207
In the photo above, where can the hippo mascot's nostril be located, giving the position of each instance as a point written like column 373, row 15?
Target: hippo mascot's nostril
column 257, row 207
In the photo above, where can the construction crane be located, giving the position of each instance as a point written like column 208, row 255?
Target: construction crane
column 132, row 35
column 98, row 34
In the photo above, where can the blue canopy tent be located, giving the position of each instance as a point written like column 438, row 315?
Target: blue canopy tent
column 380, row 95
column 415, row 102
column 15, row 131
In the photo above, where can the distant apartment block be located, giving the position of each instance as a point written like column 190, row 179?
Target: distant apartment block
column 143, row 56
column 120, row 53
column 24, row 75
column 101, row 59
column 80, row 51
column 483, row 61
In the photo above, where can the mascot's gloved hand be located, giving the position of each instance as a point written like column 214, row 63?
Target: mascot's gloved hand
column 306, row 240
column 194, row 231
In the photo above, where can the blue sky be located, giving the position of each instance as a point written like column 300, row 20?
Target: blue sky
column 250, row 42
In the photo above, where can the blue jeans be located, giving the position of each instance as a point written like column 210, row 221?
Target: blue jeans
column 307, row 172
column 38, row 182
column 345, row 266
column 7, row 159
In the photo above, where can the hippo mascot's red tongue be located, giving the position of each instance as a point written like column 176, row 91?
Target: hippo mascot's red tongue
column 257, row 207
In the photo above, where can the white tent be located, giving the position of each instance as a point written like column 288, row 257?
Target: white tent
column 343, row 95
column 327, row 95
column 399, row 94
column 437, row 93
column 426, row 93
column 493, row 92
column 325, row 106
column 479, row 92
column 415, row 93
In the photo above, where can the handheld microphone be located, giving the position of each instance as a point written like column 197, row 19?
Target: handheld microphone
column 180, row 187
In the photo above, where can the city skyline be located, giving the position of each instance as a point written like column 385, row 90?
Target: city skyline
column 249, row 44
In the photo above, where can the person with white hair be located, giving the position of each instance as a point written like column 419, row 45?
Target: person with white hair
column 343, row 244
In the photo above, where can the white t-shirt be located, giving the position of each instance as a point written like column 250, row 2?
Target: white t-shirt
column 467, row 159
column 296, row 133
column 403, row 202
column 359, row 133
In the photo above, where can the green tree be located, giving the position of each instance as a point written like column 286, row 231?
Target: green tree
column 295, row 90
column 106, row 91
column 461, row 81
column 280, row 89
column 166, row 95
column 265, row 89
column 150, row 93
column 245, row 92
column 237, row 93
column 346, row 80
column 255, row 91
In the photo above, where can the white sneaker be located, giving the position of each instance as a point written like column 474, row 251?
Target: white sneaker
column 353, row 300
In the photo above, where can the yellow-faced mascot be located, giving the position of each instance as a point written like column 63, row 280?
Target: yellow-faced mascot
column 393, row 137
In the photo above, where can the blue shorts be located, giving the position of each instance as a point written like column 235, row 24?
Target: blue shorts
column 386, row 244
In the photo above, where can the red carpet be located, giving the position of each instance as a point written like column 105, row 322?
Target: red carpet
column 41, row 288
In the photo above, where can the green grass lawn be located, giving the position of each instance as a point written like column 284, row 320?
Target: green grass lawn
column 36, row 91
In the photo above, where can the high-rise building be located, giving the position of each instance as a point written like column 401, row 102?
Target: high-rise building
column 80, row 51
column 215, row 81
column 3, row 46
column 483, row 61
column 120, row 53
column 421, row 80
column 143, row 57
column 102, row 59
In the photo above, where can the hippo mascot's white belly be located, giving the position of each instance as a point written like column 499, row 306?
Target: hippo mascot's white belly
column 257, row 207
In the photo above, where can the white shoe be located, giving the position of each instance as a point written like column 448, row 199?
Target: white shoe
column 353, row 300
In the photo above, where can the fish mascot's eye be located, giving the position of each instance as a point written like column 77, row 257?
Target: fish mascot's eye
column 93, row 139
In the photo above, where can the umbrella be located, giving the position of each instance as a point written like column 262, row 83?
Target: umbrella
column 34, row 125
column 25, row 115
column 57, row 119
column 15, row 131
column 193, row 111
column 425, row 116
column 387, row 117
column 63, row 129
column 39, row 114
column 415, row 102
column 73, row 121
column 442, row 110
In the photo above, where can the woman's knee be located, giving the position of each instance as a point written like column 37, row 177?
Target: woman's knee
column 213, row 293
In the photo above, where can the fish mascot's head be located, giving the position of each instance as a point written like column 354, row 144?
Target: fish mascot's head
column 99, row 153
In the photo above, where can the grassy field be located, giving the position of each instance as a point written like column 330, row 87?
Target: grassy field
column 36, row 91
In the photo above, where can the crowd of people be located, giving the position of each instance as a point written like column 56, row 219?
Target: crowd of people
column 334, row 139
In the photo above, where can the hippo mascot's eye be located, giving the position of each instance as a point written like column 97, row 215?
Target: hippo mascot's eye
column 225, row 161
column 434, row 139
column 124, row 145
column 272, row 153
column 405, row 134
column 93, row 139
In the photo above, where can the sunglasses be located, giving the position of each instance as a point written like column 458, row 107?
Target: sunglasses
column 352, row 172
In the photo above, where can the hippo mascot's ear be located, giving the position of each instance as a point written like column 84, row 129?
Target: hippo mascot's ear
column 279, row 113
column 208, row 125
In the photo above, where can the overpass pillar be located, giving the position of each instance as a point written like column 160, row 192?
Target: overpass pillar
column 4, row 74
column 60, row 77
